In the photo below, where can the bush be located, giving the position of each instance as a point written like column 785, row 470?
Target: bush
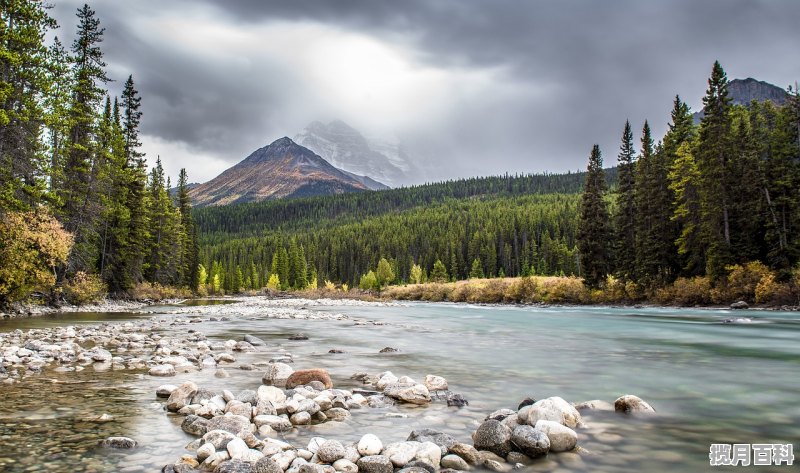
column 84, row 288
column 743, row 280
column 146, row 291
column 564, row 289
column 770, row 291
column 369, row 282
column 686, row 292
column 329, row 285
column 524, row 290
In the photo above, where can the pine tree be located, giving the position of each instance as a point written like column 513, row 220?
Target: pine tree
column 23, row 79
column 625, row 217
column 594, row 233
column 476, row 272
column 189, row 247
column 136, row 182
column 684, row 179
column 712, row 154
column 439, row 272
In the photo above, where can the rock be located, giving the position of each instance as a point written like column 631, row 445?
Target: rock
column 594, row 405
column 165, row 390
column 239, row 408
column 330, row 451
column 205, row 451
column 528, row 401
column 420, row 466
column 234, row 466
column 369, row 445
column 533, row 443
column 555, row 409
column 517, row 458
column 255, row 341
column 386, row 379
column 266, row 465
column 298, row 337
column 337, row 414
column 195, row 425
column 501, row 414
column 456, row 400
column 248, row 396
column 285, row 458
column 632, row 404
column 221, row 373
column 442, row 440
column 236, row 448
column 345, row 466
column 435, row 383
column 201, row 395
column 429, row 453
column 303, row 377
column 415, row 394
column 181, row 396
column 162, row 370
column 351, row 453
column 494, row 465
column 271, row 394
column 335, row 351
column 277, row 423
column 455, row 462
column 401, row 453
column 97, row 354
column 469, row 453
column 230, row 423
column 494, row 437
column 118, row 442
column 740, row 305
column 218, row 438
column 375, row 464
column 388, row 350
column 416, row 469
column 562, row 438
column 300, row 418
column 277, row 374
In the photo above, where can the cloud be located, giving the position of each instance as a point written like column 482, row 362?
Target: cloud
column 483, row 87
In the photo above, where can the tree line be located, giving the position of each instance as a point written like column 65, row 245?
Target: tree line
column 76, row 199
column 701, row 201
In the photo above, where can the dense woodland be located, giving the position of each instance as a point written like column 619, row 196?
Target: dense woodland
column 81, row 215
column 697, row 203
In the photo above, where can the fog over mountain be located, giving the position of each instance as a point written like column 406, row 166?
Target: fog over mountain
column 470, row 87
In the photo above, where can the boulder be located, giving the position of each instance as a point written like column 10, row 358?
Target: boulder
column 401, row 453
column 195, row 425
column 594, row 405
column 277, row 374
column 375, row 464
column 740, row 305
column 414, row 394
column 266, row 465
column 430, row 453
column 330, row 451
column 274, row 395
column 277, row 423
column 303, row 377
column 255, row 341
column 562, row 438
column 631, row 404
column 444, row 441
column 237, row 448
column 467, row 452
column 369, row 445
column 181, row 397
column 230, row 423
column 435, row 383
column 218, row 438
column 344, row 465
column 162, row 370
column 234, row 466
column 165, row 390
column 118, row 442
column 533, row 443
column 454, row 462
column 555, row 409
column 494, row 437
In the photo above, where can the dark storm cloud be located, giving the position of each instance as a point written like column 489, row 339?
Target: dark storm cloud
column 570, row 72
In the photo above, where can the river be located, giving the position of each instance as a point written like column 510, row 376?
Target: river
column 709, row 381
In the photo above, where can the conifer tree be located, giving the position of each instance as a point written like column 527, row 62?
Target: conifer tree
column 476, row 272
column 712, row 155
column 189, row 249
column 439, row 272
column 594, row 232
column 625, row 216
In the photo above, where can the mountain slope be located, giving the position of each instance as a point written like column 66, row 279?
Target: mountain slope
column 346, row 148
column 282, row 169
column 744, row 91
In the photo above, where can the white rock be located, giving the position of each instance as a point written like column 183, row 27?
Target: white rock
column 554, row 409
column 385, row 380
column 370, row 445
column 401, row 453
column 314, row 444
column 345, row 466
column 429, row 453
column 237, row 448
column 162, row 370
column 562, row 438
column 205, row 451
column 435, row 383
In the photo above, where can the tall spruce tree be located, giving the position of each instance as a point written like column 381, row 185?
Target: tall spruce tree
column 712, row 154
column 594, row 232
column 23, row 81
column 189, row 253
column 625, row 216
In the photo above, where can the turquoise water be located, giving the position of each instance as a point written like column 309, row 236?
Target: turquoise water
column 710, row 382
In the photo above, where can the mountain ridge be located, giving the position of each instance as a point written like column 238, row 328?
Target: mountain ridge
column 282, row 169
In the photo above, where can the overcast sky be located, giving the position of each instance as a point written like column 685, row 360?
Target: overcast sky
column 480, row 87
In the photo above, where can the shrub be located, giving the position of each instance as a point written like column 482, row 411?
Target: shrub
column 156, row 292
column 686, row 292
column 436, row 292
column 743, row 280
column 274, row 282
column 84, row 288
column 330, row 286
column 772, row 292
column 524, row 290
column 564, row 289
column 369, row 282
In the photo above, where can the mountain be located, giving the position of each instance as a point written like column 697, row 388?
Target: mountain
column 744, row 91
column 346, row 148
column 282, row 169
